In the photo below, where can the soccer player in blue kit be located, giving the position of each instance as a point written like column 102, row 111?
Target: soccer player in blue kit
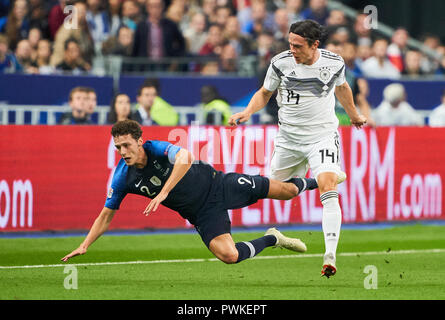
column 169, row 175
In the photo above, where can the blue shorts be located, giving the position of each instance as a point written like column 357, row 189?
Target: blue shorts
column 230, row 191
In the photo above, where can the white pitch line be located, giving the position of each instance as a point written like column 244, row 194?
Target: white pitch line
column 313, row 255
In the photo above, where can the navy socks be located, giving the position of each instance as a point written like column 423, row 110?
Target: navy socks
column 249, row 249
column 304, row 184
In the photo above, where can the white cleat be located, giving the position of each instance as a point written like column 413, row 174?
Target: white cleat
column 286, row 242
column 341, row 177
column 329, row 269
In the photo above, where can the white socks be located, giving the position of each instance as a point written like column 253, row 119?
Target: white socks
column 331, row 222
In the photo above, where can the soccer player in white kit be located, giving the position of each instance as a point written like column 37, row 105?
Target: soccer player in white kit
column 306, row 79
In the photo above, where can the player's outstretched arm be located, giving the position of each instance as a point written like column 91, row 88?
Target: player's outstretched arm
column 99, row 227
column 183, row 161
column 258, row 102
column 344, row 95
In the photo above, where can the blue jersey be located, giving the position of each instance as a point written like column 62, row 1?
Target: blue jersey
column 187, row 197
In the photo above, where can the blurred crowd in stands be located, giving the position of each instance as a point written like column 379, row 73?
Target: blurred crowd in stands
column 47, row 37
column 64, row 36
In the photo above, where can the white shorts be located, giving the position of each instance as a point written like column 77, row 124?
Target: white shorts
column 292, row 159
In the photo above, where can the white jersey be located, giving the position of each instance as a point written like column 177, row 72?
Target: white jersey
column 305, row 95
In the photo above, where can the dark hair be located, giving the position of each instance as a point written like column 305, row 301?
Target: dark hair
column 125, row 127
column 112, row 115
column 68, row 41
column 308, row 29
column 210, row 93
column 149, row 83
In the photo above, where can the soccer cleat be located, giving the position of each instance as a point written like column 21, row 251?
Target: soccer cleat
column 286, row 242
column 341, row 177
column 329, row 268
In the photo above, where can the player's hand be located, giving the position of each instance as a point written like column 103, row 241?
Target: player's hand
column 238, row 118
column 154, row 204
column 77, row 252
column 359, row 121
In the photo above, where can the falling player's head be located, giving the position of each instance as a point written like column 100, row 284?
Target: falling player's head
column 127, row 137
column 127, row 127
column 304, row 39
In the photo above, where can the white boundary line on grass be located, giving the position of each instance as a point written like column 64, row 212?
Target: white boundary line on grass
column 314, row 255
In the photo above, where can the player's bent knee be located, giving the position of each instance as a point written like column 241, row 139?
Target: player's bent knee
column 293, row 190
column 228, row 257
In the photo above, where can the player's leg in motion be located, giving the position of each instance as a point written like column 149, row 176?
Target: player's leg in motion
column 225, row 249
column 331, row 220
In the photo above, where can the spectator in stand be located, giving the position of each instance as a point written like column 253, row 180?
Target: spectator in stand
column 8, row 61
column 78, row 101
column 222, row 14
column 412, row 64
column 341, row 34
column 72, row 61
column 395, row 110
column 16, row 25
column 398, row 48
column 260, row 20
column 228, row 59
column 122, row 45
column 281, row 32
column 91, row 102
column 317, row 11
column 216, row 109
column 41, row 62
column 364, row 52
column 98, row 22
column 34, row 37
column 158, row 37
column 209, row 10
column 362, row 33
column 176, row 13
column 120, row 109
column 38, row 16
column 379, row 66
column 81, row 34
column 214, row 42
column 131, row 14
column 232, row 33
column 437, row 116
column 430, row 65
column 195, row 35
column 209, row 68
column 335, row 21
column 294, row 8
column 265, row 50
column 23, row 55
column 349, row 55
column 151, row 108
column 114, row 8
column 441, row 68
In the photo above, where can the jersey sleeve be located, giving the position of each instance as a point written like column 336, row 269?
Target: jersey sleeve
column 165, row 149
column 272, row 79
column 341, row 77
column 118, row 190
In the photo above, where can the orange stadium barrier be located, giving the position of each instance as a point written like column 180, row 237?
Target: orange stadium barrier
column 56, row 177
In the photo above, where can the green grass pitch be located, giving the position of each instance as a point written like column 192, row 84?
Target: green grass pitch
column 406, row 267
